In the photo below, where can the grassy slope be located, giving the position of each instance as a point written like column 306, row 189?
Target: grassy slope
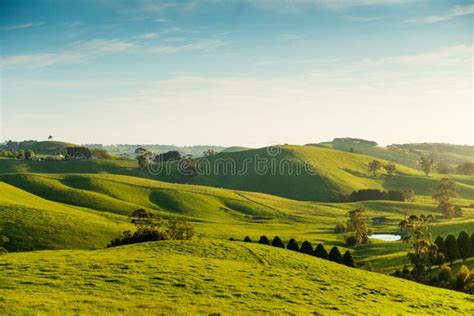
column 407, row 154
column 34, row 223
column 334, row 173
column 212, row 277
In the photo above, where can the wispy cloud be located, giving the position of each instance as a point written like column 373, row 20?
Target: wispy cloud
column 196, row 46
column 457, row 11
column 103, row 46
column 42, row 60
column 23, row 26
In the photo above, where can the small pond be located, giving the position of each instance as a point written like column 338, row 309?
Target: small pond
column 385, row 237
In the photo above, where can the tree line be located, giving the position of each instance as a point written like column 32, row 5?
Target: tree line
column 334, row 254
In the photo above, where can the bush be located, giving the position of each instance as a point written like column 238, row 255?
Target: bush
column 348, row 260
column 351, row 241
column 452, row 252
column 306, row 248
column 264, row 240
column 321, row 252
column 175, row 229
column 464, row 245
column 277, row 242
column 247, row 239
column 374, row 194
column 439, row 241
column 444, row 274
column 339, row 228
column 370, row 267
column 293, row 245
column 3, row 251
column 464, row 281
column 335, row 255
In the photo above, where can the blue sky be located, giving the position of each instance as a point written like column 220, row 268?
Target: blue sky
column 249, row 72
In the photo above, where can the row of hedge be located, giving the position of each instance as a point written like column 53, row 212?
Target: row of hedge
column 454, row 249
column 306, row 248
column 374, row 194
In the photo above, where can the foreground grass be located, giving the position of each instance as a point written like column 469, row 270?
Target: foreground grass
column 211, row 277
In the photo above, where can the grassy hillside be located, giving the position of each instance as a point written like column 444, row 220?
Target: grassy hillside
column 405, row 154
column 296, row 172
column 33, row 223
column 211, row 277
column 234, row 149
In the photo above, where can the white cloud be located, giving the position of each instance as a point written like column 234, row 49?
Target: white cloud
column 23, row 26
column 457, row 11
column 196, row 46
column 41, row 60
column 147, row 36
column 99, row 46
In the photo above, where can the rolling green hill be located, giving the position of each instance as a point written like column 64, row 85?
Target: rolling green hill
column 33, row 223
column 234, row 149
column 405, row 154
column 211, row 277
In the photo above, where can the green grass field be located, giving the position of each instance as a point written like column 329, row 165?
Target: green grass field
column 83, row 205
column 211, row 277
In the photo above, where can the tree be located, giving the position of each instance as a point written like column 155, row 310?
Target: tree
column 247, row 239
column 209, row 153
column 100, row 153
column 50, row 137
column 390, row 168
column 466, row 168
column 348, row 260
column 276, row 242
column 439, row 241
column 423, row 252
column 443, row 194
column 465, row 279
column 426, row 165
column 464, row 245
column 443, row 168
column 451, row 248
column 409, row 195
column 339, row 228
column 306, row 248
column 187, row 167
column 293, row 245
column 264, row 240
column 143, row 156
column 172, row 155
column 358, row 224
column 335, row 255
column 29, row 154
column 321, row 252
column 374, row 166
column 20, row 154
column 79, row 152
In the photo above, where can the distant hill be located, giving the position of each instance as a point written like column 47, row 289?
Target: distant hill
column 405, row 154
column 234, row 149
column 41, row 147
column 129, row 149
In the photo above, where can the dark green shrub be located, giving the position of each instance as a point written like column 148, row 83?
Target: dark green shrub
column 335, row 255
column 351, row 241
column 293, row 245
column 439, row 241
column 451, row 248
column 464, row 245
column 321, row 252
column 306, row 248
column 264, row 240
column 247, row 239
column 277, row 242
column 348, row 260
column 339, row 228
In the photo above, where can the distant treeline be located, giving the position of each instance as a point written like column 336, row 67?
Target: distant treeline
column 306, row 248
column 374, row 194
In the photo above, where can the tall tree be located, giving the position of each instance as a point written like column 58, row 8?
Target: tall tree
column 426, row 165
column 439, row 241
column 390, row 168
column 374, row 166
column 359, row 225
column 423, row 252
column 464, row 245
column 293, row 245
column 321, row 252
column 443, row 194
column 264, row 240
column 335, row 255
column 276, row 242
column 348, row 260
column 307, row 248
column 452, row 248
column 143, row 156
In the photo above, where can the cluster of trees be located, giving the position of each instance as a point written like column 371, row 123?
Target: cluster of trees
column 426, row 164
column 18, row 154
column 375, row 194
column 466, row 168
column 424, row 254
column 443, row 194
column 357, row 228
column 307, row 248
column 376, row 165
column 154, row 228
